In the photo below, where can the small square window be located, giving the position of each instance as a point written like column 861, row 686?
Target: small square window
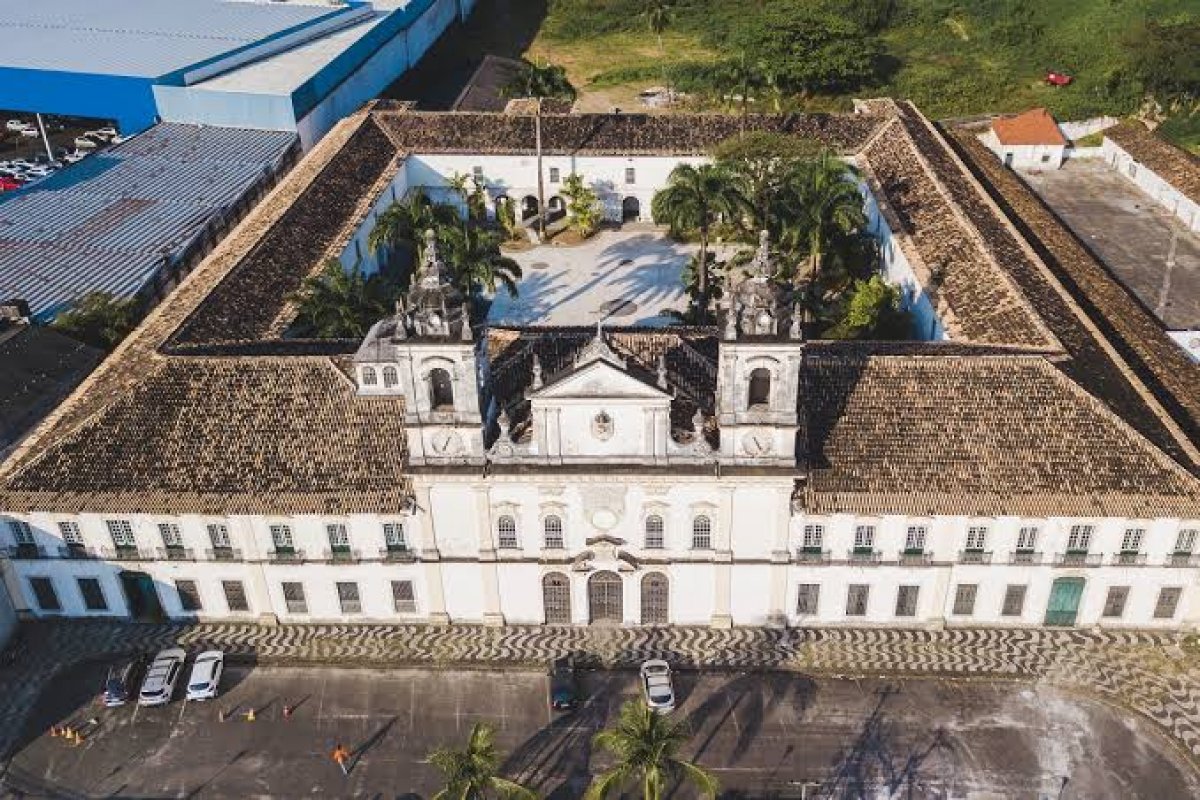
column 1131, row 542
column 964, row 599
column 235, row 596
column 339, row 539
column 914, row 539
column 189, row 595
column 864, row 537
column 814, row 538
column 93, row 594
column 218, row 534
column 281, row 537
column 348, row 597
column 1185, row 542
column 506, row 533
column 808, row 596
column 477, row 173
column 1168, row 602
column 630, row 175
column 71, row 534
column 43, row 592
column 171, row 537
column 906, row 601
column 1114, row 602
column 701, row 533
column 404, row 599
column 393, row 536
column 856, row 599
column 1079, row 539
column 1027, row 538
column 554, row 175
column 977, row 538
column 121, row 532
column 1014, row 601
column 21, row 532
column 293, row 597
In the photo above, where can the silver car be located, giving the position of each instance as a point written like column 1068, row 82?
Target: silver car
column 657, row 687
column 205, row 679
column 160, row 680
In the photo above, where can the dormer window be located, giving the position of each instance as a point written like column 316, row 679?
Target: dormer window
column 441, row 390
column 390, row 377
column 760, row 389
column 369, row 378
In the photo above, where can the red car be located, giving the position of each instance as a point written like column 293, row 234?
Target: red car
column 9, row 184
column 1058, row 79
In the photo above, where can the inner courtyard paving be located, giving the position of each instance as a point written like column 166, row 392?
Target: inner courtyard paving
column 1153, row 674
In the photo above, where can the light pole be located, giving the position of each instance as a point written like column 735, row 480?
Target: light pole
column 45, row 139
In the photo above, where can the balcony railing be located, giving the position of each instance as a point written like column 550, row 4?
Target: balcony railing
column 915, row 559
column 1025, row 557
column 176, row 554
column 1183, row 560
column 77, row 551
column 1129, row 559
column 126, row 554
column 223, row 554
column 863, row 557
column 1078, row 559
column 25, row 551
column 341, row 556
column 812, row 556
column 288, row 556
column 975, row 557
column 397, row 554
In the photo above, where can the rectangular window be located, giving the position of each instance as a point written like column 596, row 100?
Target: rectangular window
column 1114, row 602
column 70, row 533
column 293, row 597
column 554, row 175
column 348, row 597
column 1185, row 542
column 218, row 534
column 630, row 175
column 339, row 539
column 404, row 599
column 1014, row 601
column 21, row 532
column 864, row 537
column 235, row 595
column 1027, row 538
column 393, row 536
column 977, row 537
column 914, row 539
column 43, row 592
column 93, row 594
column 1168, row 601
column 171, row 537
column 1079, row 539
column 856, row 599
column 701, row 533
column 281, row 537
column 807, row 597
column 906, row 601
column 121, row 532
column 964, row 599
column 814, row 536
column 1131, row 542
column 189, row 595
column 477, row 173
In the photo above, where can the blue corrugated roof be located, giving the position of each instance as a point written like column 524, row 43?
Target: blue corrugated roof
column 109, row 222
column 144, row 38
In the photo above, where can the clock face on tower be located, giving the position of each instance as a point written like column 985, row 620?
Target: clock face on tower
column 446, row 443
column 758, row 443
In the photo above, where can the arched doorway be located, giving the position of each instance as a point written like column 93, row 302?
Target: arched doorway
column 529, row 206
column 656, row 606
column 605, row 603
column 631, row 209
column 556, row 599
column 1063, row 607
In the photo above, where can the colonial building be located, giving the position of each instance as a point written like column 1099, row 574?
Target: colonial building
column 1030, row 460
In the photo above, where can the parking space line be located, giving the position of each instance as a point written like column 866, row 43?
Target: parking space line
column 182, row 708
column 133, row 718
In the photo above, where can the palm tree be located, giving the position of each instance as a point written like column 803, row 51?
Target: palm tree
column 646, row 746
column 691, row 201
column 657, row 14
column 340, row 304
column 401, row 226
column 823, row 204
column 471, row 772
column 476, row 261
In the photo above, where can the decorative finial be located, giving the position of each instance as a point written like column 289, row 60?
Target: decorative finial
column 760, row 265
column 797, row 331
column 698, row 423
column 537, row 372
column 662, row 371
column 465, row 331
column 504, row 422
column 731, row 312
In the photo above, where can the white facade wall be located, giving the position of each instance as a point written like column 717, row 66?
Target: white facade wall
column 357, row 250
column 898, row 270
column 1026, row 156
column 1156, row 187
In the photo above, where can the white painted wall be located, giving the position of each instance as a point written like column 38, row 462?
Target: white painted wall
column 1156, row 187
column 1026, row 156
column 898, row 270
column 357, row 250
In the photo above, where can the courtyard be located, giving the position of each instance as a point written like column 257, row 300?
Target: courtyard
column 765, row 734
column 1130, row 233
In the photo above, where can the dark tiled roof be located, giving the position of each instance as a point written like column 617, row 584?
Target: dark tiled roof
column 1177, row 167
column 40, row 366
column 974, row 435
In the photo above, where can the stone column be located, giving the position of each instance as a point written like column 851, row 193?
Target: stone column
column 723, row 563
column 488, row 572
column 780, row 559
column 431, row 557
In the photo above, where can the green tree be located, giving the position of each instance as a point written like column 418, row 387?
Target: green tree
column 646, row 746
column 762, row 163
column 691, row 201
column 99, row 319
column 337, row 303
column 400, row 228
column 583, row 205
column 872, row 311
column 472, row 773
column 476, row 261
column 657, row 14
column 1165, row 57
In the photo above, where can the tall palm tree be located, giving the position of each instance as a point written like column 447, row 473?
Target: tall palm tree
column 340, row 304
column 823, row 205
column 476, row 261
column 657, row 14
column 646, row 746
column 399, row 228
column 691, row 201
column 471, row 772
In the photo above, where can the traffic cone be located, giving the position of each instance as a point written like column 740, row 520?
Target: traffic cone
column 287, row 711
column 250, row 715
column 220, row 715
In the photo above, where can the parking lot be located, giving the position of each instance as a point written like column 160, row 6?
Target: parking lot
column 763, row 734
column 23, row 157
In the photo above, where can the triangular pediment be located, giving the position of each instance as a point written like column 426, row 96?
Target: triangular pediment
column 599, row 379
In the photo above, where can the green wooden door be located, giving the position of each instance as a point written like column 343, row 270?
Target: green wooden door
column 1064, row 601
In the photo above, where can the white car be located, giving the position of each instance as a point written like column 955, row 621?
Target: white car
column 17, row 125
column 40, row 171
column 160, row 680
column 107, row 132
column 657, row 687
column 29, row 133
column 206, row 675
column 84, row 143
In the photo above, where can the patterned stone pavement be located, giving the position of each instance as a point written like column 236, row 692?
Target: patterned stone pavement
column 1149, row 673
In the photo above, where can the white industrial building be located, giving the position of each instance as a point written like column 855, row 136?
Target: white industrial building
column 1007, row 468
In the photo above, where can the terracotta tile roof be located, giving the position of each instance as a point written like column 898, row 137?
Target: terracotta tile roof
column 973, row 435
column 40, row 366
column 1035, row 126
column 1177, row 167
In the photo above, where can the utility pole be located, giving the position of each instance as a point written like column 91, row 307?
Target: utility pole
column 45, row 139
column 541, row 184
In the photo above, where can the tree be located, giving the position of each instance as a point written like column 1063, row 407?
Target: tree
column 99, row 319
column 583, row 205
column 476, row 261
column 471, row 773
column 401, row 226
column 646, row 746
column 657, row 14
column 1164, row 56
column 342, row 304
column 691, row 201
column 872, row 312
column 761, row 163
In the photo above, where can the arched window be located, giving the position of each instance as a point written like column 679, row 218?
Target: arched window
column 553, row 528
column 368, row 375
column 655, row 599
column 702, row 533
column 654, row 532
column 390, row 378
column 556, row 599
column 760, row 388
column 506, row 532
column 441, row 390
